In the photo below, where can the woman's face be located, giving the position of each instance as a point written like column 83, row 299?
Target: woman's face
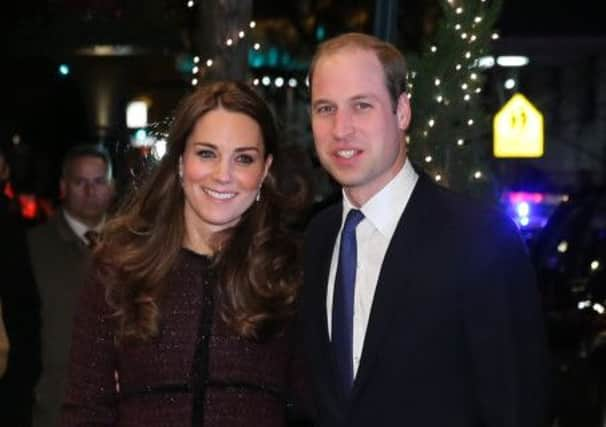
column 223, row 167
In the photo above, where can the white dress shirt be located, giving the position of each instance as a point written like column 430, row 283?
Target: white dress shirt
column 381, row 215
column 78, row 227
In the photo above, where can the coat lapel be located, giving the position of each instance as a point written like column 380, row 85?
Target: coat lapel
column 68, row 235
column 393, row 280
column 317, row 268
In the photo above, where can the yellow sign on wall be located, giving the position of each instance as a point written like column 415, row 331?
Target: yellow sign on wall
column 518, row 129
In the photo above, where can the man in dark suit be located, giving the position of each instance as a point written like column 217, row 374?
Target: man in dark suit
column 20, row 305
column 60, row 252
column 419, row 306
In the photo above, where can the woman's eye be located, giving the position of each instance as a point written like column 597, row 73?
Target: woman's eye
column 246, row 159
column 206, row 154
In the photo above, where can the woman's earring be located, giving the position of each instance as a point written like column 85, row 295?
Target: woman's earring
column 258, row 198
column 180, row 169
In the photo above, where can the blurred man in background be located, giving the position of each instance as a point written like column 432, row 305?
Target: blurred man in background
column 20, row 305
column 60, row 252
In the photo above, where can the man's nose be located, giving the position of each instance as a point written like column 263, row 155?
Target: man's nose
column 89, row 188
column 342, row 125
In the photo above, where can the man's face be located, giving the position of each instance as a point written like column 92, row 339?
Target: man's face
column 86, row 189
column 358, row 136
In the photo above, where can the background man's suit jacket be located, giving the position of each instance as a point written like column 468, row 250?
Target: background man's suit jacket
column 59, row 261
column 455, row 336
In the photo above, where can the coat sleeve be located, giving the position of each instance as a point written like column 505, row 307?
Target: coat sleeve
column 91, row 396
column 4, row 344
column 504, row 329
column 300, row 411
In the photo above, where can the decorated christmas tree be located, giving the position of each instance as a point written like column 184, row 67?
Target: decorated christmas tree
column 450, row 135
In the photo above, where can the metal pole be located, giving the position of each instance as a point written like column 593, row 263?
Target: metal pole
column 386, row 18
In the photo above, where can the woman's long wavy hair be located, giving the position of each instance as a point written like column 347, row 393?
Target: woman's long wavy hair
column 258, row 264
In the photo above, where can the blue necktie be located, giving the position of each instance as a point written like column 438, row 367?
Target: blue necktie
column 343, row 302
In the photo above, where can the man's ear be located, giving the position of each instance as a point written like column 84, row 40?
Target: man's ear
column 62, row 188
column 5, row 170
column 112, row 187
column 403, row 112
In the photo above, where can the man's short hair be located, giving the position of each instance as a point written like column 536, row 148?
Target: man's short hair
column 86, row 150
column 391, row 59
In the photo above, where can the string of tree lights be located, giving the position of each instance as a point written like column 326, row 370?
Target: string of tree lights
column 450, row 132
column 257, row 60
column 231, row 40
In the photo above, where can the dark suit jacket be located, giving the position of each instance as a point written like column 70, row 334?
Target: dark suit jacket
column 59, row 261
column 21, row 311
column 455, row 336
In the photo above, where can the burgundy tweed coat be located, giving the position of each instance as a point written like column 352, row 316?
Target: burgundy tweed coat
column 184, row 376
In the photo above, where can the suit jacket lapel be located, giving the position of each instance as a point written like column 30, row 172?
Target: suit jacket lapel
column 68, row 234
column 393, row 280
column 317, row 268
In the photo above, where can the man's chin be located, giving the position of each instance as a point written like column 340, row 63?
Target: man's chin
column 92, row 217
column 347, row 179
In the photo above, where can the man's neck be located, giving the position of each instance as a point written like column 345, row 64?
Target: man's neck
column 89, row 224
column 359, row 196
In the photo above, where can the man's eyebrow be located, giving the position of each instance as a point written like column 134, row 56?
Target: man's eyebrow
column 363, row 96
column 321, row 101
column 357, row 97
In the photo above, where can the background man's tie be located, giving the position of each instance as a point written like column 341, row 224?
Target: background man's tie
column 92, row 237
column 343, row 302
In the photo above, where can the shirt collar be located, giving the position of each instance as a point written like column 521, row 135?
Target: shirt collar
column 78, row 227
column 384, row 209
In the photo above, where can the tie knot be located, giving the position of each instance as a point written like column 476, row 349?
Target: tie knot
column 354, row 217
column 92, row 237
